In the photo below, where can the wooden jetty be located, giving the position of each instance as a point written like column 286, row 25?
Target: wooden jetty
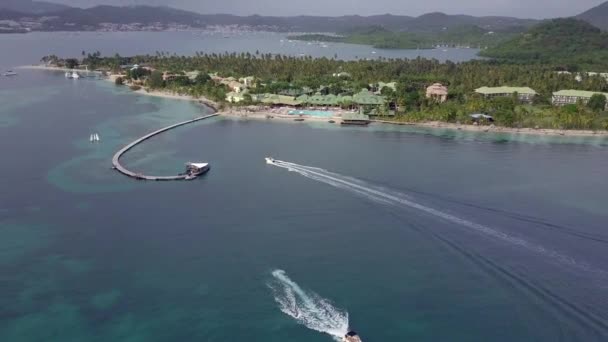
column 136, row 175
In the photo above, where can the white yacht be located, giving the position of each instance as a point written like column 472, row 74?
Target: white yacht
column 269, row 160
column 75, row 75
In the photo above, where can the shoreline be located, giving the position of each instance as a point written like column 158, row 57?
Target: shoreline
column 53, row 68
column 265, row 114
column 498, row 129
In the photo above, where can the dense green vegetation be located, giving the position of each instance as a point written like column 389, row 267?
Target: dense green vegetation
column 568, row 41
column 283, row 74
column 378, row 37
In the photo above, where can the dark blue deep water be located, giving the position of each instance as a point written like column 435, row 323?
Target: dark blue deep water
column 403, row 234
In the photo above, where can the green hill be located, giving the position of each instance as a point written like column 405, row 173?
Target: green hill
column 559, row 40
column 597, row 16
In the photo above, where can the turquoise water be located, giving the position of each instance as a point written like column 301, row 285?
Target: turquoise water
column 318, row 113
column 401, row 233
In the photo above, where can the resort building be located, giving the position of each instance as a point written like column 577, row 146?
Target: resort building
column 342, row 74
column 437, row 92
column 169, row 77
column 248, row 81
column 566, row 97
column 235, row 86
column 524, row 94
column 276, row 100
column 234, row 97
column 355, row 119
column 376, row 88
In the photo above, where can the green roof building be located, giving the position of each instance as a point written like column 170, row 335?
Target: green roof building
column 524, row 94
column 570, row 96
column 355, row 119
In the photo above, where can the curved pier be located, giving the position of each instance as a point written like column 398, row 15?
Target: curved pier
column 125, row 171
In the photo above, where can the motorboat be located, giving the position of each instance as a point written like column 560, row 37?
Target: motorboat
column 75, row 75
column 351, row 336
column 269, row 160
column 9, row 73
column 194, row 170
column 68, row 75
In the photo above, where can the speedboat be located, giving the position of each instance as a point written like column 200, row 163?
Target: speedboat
column 10, row 73
column 351, row 336
column 269, row 160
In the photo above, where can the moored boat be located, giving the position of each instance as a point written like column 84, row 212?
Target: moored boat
column 75, row 75
column 9, row 73
column 351, row 336
column 194, row 170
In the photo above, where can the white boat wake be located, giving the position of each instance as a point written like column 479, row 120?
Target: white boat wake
column 393, row 198
column 308, row 308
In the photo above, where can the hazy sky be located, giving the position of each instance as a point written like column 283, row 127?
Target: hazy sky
column 517, row 8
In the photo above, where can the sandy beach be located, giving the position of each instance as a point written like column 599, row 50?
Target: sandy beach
column 497, row 129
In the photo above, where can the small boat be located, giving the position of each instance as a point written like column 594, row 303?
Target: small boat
column 194, row 170
column 75, row 75
column 351, row 336
column 331, row 121
column 10, row 73
column 97, row 137
column 269, row 160
column 68, row 75
column 298, row 119
column 92, row 138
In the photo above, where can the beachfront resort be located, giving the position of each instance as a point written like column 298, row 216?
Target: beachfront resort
column 403, row 91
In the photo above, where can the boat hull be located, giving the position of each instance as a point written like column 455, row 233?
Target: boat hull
column 198, row 174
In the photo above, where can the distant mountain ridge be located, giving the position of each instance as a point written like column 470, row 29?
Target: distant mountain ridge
column 597, row 16
column 31, row 7
column 72, row 18
column 90, row 18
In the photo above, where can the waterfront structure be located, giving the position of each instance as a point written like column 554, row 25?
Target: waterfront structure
column 355, row 119
column 570, row 96
column 437, row 92
column 524, row 94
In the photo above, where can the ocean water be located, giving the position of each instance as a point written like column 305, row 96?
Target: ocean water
column 29, row 48
column 400, row 233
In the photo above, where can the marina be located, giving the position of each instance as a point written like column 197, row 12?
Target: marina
column 193, row 170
